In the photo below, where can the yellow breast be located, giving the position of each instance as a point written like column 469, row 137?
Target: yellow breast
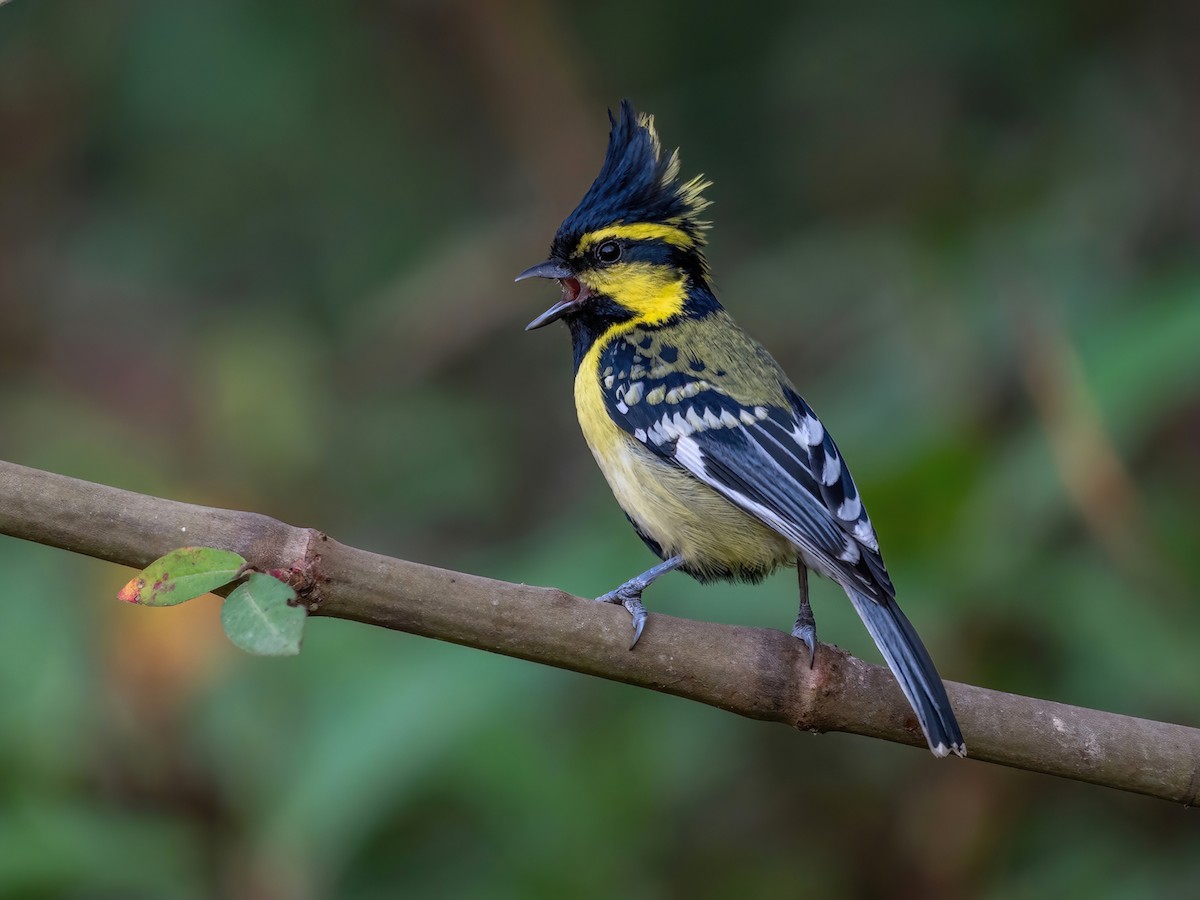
column 681, row 514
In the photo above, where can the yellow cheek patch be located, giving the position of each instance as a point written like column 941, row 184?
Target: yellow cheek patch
column 640, row 231
column 653, row 293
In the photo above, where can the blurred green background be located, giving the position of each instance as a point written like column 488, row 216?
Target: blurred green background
column 260, row 255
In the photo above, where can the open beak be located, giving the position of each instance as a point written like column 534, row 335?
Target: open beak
column 573, row 292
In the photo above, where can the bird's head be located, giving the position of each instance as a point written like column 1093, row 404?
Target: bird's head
column 634, row 244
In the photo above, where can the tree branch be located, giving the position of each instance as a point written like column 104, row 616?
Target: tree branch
column 754, row 672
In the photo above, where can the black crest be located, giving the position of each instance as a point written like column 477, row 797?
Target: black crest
column 636, row 184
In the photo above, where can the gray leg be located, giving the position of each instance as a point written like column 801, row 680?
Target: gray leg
column 806, row 626
column 629, row 594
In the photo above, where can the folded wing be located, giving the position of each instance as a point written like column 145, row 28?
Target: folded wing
column 776, row 462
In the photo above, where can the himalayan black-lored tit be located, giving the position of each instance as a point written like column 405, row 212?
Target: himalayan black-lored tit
column 721, row 466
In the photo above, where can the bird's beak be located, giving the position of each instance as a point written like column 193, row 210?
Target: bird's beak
column 573, row 292
column 551, row 268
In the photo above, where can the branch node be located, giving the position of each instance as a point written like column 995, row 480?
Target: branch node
column 304, row 576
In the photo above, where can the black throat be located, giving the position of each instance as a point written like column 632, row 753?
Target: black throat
column 587, row 325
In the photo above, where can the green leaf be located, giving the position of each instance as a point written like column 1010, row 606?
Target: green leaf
column 182, row 575
column 258, row 618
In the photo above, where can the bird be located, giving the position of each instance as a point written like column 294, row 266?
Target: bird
column 722, row 468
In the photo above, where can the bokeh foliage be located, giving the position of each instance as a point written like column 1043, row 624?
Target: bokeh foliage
column 259, row 255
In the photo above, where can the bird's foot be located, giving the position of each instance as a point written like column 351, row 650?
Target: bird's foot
column 805, row 628
column 629, row 595
column 808, row 634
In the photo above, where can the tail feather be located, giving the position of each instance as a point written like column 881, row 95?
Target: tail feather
column 909, row 661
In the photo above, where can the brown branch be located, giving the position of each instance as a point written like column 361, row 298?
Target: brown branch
column 754, row 672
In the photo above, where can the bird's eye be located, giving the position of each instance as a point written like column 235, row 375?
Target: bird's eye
column 608, row 252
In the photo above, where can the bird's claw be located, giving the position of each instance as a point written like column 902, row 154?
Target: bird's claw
column 631, row 599
column 807, row 634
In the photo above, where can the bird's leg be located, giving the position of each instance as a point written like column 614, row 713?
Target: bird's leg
column 629, row 594
column 806, row 626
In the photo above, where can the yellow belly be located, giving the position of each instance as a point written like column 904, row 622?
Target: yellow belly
column 682, row 515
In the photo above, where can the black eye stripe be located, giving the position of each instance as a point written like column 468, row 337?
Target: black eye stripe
column 649, row 250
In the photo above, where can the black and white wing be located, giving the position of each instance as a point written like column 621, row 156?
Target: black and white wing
column 776, row 461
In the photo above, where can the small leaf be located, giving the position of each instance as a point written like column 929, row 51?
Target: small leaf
column 258, row 618
column 182, row 575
